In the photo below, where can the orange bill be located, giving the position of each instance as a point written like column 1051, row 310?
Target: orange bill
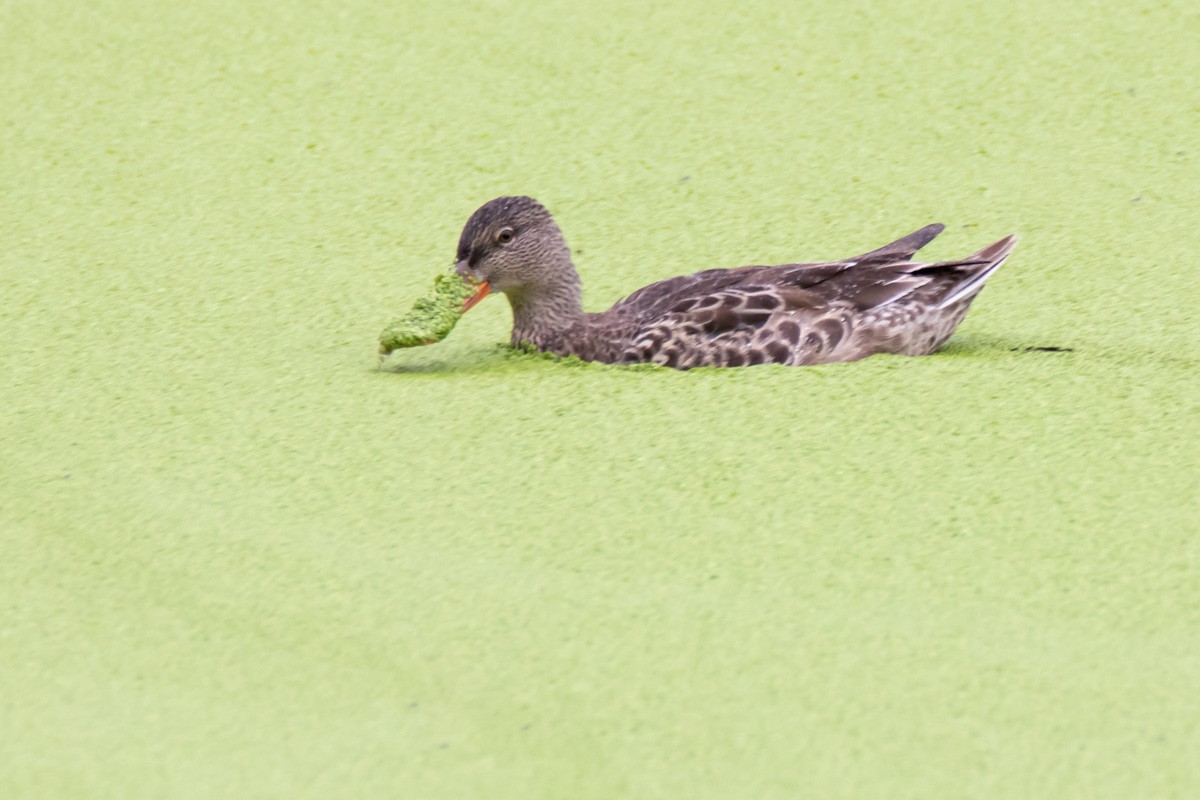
column 480, row 293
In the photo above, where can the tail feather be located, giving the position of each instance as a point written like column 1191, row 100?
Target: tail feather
column 904, row 248
column 990, row 258
column 995, row 252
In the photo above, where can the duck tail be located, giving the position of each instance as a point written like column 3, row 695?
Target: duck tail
column 989, row 260
column 904, row 248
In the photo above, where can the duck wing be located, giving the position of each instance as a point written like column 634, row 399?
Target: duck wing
column 904, row 248
column 658, row 298
column 686, row 292
column 722, row 300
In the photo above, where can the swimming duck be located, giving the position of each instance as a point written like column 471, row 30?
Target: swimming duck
column 795, row 314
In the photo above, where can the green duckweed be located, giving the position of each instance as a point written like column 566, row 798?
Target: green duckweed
column 432, row 317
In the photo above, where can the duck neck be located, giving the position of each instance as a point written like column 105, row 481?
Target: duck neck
column 543, row 313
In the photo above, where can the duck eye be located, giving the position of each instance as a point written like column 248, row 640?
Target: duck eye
column 504, row 236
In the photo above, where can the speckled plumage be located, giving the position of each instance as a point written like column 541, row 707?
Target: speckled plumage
column 795, row 314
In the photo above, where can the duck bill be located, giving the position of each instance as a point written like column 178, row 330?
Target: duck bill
column 480, row 293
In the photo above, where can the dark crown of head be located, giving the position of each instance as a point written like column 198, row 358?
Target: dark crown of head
column 514, row 212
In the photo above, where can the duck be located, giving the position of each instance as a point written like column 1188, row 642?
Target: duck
column 792, row 314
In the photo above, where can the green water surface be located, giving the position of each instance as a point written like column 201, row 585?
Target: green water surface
column 241, row 560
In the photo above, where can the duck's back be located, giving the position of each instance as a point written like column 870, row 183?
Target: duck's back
column 795, row 314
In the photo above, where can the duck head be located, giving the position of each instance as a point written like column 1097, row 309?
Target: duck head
column 512, row 245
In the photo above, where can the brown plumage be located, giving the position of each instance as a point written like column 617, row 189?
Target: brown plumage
column 879, row 302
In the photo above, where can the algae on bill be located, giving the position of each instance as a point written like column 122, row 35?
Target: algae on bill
column 432, row 317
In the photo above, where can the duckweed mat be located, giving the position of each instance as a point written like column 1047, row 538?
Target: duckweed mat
column 239, row 559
